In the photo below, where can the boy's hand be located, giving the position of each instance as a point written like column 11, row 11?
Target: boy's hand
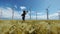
column 27, row 11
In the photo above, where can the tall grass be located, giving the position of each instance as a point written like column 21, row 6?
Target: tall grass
column 30, row 27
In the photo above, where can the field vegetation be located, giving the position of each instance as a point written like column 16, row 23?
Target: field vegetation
column 30, row 27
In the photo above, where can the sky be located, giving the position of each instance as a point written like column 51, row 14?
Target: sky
column 39, row 6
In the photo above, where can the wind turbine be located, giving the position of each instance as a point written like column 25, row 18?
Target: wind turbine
column 59, row 15
column 47, row 11
column 12, row 13
column 30, row 13
column 0, row 13
column 36, row 15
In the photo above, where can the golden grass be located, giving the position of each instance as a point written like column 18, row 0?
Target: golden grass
column 30, row 27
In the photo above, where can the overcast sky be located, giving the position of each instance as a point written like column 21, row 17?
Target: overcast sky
column 7, row 6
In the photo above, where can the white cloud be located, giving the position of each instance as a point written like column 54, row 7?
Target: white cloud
column 43, row 16
column 15, row 6
column 53, row 16
column 7, row 13
column 39, row 13
column 22, row 7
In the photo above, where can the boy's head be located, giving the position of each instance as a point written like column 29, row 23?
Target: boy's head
column 24, row 11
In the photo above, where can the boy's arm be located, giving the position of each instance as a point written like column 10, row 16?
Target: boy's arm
column 27, row 12
column 21, row 14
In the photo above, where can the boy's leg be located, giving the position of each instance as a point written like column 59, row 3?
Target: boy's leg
column 23, row 18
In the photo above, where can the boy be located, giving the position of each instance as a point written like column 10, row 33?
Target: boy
column 23, row 15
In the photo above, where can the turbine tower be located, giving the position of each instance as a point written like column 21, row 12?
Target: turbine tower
column 59, row 15
column 36, row 15
column 13, row 11
column 12, row 14
column 30, row 13
column 0, row 13
column 47, row 12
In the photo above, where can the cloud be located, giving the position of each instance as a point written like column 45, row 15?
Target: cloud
column 15, row 6
column 53, row 16
column 41, row 16
column 22, row 7
column 7, row 13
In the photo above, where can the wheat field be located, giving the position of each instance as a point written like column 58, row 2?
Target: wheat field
column 30, row 27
